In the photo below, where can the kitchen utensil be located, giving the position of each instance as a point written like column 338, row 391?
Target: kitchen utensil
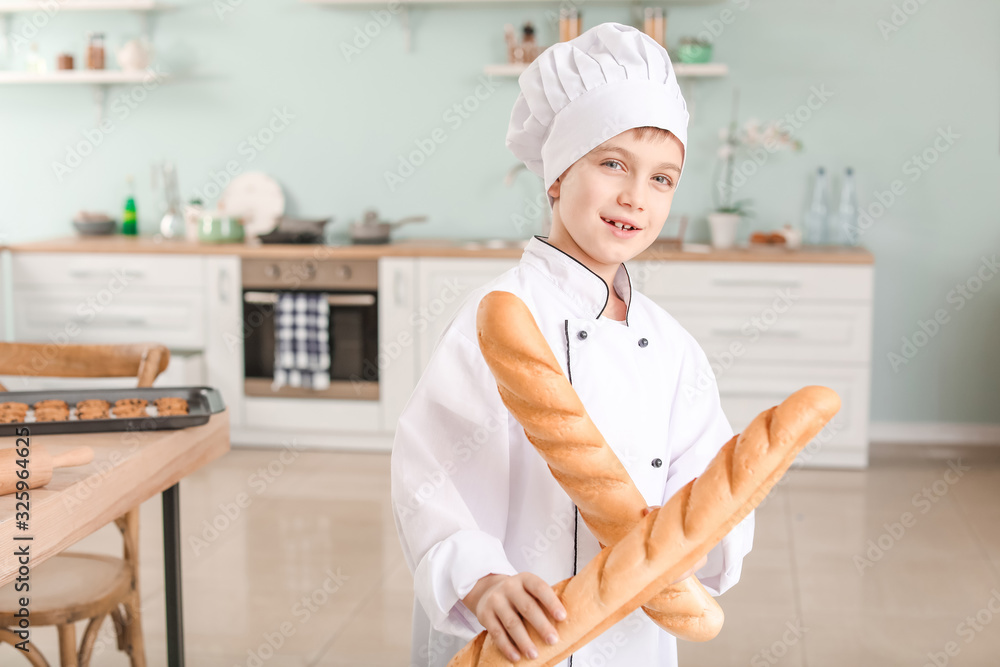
column 193, row 211
column 172, row 223
column 40, row 465
column 203, row 402
column 672, row 242
column 134, row 55
column 291, row 230
column 93, row 224
column 257, row 199
column 371, row 230
column 219, row 227
column 693, row 50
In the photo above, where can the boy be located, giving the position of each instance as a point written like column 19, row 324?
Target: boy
column 485, row 528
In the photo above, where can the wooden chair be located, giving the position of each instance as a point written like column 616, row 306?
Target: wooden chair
column 71, row 587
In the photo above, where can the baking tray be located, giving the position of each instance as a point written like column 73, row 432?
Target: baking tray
column 203, row 402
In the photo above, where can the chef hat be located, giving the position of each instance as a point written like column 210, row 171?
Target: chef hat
column 578, row 94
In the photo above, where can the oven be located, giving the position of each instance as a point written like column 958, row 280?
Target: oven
column 351, row 289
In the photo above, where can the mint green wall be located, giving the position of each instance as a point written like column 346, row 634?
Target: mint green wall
column 353, row 121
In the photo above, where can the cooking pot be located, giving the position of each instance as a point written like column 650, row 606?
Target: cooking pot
column 372, row 230
column 217, row 227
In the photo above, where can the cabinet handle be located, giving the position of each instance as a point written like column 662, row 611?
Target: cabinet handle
column 222, row 285
column 743, row 282
column 114, row 321
column 82, row 274
column 397, row 289
column 264, row 298
column 779, row 333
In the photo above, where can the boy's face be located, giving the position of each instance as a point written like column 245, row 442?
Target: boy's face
column 622, row 179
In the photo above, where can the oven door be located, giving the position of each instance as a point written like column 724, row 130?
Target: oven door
column 353, row 329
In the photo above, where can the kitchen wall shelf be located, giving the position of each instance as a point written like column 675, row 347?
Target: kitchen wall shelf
column 86, row 6
column 100, row 77
column 680, row 69
column 101, row 80
column 686, row 74
column 635, row 5
column 143, row 7
column 581, row 3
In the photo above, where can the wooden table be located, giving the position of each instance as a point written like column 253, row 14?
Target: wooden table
column 128, row 469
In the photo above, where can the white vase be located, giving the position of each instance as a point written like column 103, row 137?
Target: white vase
column 723, row 226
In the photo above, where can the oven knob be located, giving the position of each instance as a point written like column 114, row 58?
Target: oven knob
column 272, row 271
column 344, row 271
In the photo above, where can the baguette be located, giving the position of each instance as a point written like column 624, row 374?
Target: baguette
column 536, row 391
column 673, row 538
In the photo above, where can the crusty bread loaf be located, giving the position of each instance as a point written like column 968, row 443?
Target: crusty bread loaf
column 536, row 391
column 673, row 538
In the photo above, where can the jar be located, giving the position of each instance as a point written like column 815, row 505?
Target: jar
column 655, row 24
column 95, row 50
column 570, row 23
column 64, row 61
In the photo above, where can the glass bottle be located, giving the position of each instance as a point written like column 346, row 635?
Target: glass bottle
column 528, row 43
column 95, row 50
column 814, row 227
column 33, row 61
column 130, row 225
column 845, row 231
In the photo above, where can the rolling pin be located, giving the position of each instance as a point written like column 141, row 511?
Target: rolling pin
column 40, row 465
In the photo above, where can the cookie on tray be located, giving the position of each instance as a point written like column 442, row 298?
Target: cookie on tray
column 93, row 403
column 13, row 406
column 51, row 415
column 131, row 412
column 11, row 417
column 51, row 403
column 171, row 406
column 136, row 403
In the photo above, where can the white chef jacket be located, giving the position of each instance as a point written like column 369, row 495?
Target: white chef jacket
column 470, row 494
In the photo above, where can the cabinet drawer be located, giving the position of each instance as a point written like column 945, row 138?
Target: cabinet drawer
column 748, row 390
column 176, row 321
column 115, row 272
column 802, row 332
column 752, row 281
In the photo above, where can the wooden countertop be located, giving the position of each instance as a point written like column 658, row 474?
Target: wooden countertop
column 429, row 248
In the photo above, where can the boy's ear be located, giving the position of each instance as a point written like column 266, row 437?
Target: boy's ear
column 554, row 188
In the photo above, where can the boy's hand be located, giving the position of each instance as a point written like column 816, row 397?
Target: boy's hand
column 502, row 603
column 700, row 564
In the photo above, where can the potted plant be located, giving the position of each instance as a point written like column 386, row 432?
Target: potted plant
column 761, row 141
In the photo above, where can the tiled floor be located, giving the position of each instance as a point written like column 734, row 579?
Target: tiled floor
column 309, row 571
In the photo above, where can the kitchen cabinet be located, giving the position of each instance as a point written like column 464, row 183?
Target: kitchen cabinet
column 443, row 284
column 109, row 298
column 224, row 332
column 4, row 281
column 769, row 329
column 190, row 304
column 397, row 345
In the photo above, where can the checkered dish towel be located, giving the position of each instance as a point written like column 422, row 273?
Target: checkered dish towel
column 302, row 340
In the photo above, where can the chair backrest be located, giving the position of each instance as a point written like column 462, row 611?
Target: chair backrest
column 145, row 361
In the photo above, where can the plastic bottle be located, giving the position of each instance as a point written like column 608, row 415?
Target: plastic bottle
column 845, row 231
column 814, row 228
column 130, row 225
